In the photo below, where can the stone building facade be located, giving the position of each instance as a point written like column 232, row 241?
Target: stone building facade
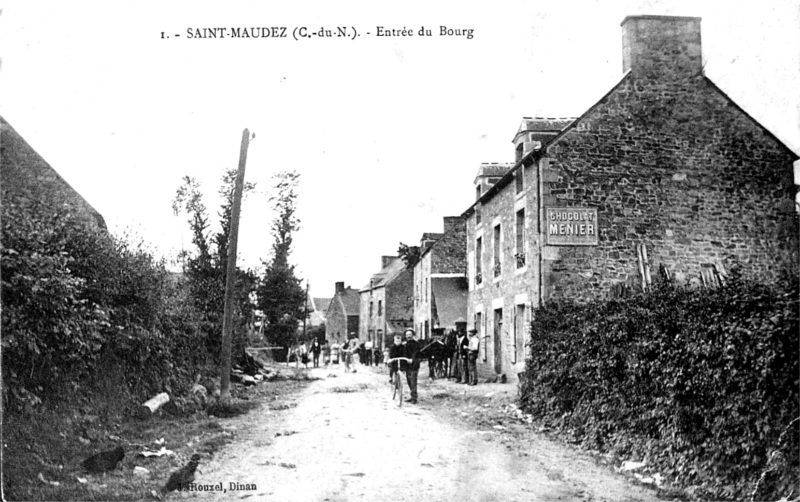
column 440, row 287
column 386, row 302
column 27, row 176
column 665, row 173
column 342, row 314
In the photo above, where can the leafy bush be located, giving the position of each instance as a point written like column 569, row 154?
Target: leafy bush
column 701, row 383
column 80, row 306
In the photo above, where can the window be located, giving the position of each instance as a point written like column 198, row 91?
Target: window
column 380, row 307
column 477, row 216
column 519, row 179
column 370, row 309
column 479, row 260
column 478, row 191
column 520, row 249
column 519, row 151
column 497, row 267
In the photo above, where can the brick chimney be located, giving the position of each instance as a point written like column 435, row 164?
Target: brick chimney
column 339, row 287
column 659, row 46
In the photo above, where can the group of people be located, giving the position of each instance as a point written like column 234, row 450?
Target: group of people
column 462, row 367
column 465, row 369
column 347, row 352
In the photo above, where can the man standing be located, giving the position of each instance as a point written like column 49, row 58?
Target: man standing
column 347, row 350
column 368, row 352
column 462, row 344
column 412, row 352
column 316, row 348
column 474, row 344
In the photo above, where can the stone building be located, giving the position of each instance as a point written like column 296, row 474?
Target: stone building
column 316, row 308
column 665, row 174
column 387, row 302
column 440, row 279
column 27, row 176
column 342, row 314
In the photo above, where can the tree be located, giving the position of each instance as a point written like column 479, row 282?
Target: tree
column 205, row 268
column 409, row 254
column 280, row 295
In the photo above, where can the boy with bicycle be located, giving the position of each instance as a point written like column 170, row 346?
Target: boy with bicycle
column 395, row 351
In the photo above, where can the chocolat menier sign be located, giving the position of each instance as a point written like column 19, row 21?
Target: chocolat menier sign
column 571, row 226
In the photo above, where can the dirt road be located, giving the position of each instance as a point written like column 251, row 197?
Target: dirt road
column 343, row 439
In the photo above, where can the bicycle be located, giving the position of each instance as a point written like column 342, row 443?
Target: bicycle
column 397, row 382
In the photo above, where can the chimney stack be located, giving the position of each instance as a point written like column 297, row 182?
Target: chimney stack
column 452, row 223
column 339, row 287
column 658, row 46
column 387, row 260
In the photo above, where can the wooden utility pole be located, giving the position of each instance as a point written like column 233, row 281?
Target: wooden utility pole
column 230, row 278
column 305, row 314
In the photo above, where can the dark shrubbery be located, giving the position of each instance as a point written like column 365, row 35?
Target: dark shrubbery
column 81, row 306
column 703, row 384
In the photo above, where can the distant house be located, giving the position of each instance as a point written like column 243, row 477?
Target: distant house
column 316, row 310
column 387, row 305
column 664, row 175
column 342, row 314
column 26, row 176
column 440, row 279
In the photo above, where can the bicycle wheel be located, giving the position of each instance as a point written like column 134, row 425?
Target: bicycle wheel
column 398, row 389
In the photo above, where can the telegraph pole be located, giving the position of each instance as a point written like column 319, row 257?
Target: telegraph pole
column 305, row 314
column 230, row 278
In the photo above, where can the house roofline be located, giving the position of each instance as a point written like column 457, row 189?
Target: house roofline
column 769, row 133
column 538, row 153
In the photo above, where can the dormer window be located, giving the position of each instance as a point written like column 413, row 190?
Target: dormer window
column 478, row 191
column 520, row 148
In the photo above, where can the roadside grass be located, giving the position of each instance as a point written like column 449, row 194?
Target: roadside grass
column 43, row 449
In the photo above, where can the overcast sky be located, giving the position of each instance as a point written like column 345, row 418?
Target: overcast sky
column 387, row 132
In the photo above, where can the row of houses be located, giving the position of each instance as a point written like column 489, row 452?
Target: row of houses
column 664, row 173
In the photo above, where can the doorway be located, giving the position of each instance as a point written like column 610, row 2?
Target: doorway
column 498, row 343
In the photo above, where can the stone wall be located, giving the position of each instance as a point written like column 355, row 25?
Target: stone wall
column 339, row 321
column 370, row 324
column 517, row 283
column 449, row 254
column 422, row 292
column 677, row 166
column 399, row 303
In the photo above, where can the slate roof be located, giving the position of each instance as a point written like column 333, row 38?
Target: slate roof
column 320, row 304
column 542, row 128
column 350, row 301
column 386, row 275
column 494, row 168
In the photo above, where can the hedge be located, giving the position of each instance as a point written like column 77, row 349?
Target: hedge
column 80, row 305
column 700, row 383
